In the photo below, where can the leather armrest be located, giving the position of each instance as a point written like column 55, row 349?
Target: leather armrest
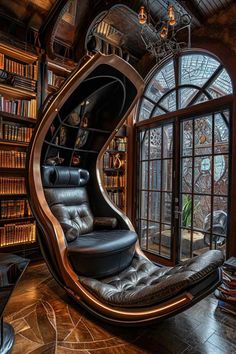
column 104, row 223
column 71, row 234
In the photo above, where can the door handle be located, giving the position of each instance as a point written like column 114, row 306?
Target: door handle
column 177, row 213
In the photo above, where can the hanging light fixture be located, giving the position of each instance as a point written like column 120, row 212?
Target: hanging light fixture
column 142, row 15
column 160, row 38
column 171, row 15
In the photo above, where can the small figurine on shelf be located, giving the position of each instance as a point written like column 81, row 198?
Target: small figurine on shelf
column 55, row 160
column 73, row 118
column 117, row 162
column 76, row 160
column 62, row 136
column 52, row 129
column 85, row 120
column 81, row 138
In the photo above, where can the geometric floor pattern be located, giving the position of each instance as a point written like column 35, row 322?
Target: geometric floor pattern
column 47, row 321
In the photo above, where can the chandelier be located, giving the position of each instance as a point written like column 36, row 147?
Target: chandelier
column 160, row 39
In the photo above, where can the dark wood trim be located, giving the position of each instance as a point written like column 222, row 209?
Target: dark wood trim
column 129, row 166
column 158, row 259
column 189, row 111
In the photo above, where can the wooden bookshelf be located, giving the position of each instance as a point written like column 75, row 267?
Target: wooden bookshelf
column 18, row 114
column 115, row 170
column 56, row 74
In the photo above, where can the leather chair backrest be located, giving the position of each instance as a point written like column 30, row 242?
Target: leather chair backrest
column 66, row 194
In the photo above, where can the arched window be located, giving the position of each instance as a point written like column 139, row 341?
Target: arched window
column 184, row 157
column 183, row 82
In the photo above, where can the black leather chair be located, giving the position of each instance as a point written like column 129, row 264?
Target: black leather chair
column 96, row 247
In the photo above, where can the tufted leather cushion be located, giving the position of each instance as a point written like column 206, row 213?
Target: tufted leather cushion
column 70, row 206
column 145, row 284
column 102, row 253
column 59, row 176
column 96, row 254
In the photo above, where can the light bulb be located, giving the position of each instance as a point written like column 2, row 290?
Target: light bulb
column 142, row 15
column 171, row 15
column 164, row 32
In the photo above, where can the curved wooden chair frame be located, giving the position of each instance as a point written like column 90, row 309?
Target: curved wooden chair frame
column 51, row 237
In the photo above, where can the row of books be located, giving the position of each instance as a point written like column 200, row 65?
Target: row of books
column 14, row 209
column 13, row 234
column 118, row 144
column 24, row 83
column 54, row 79
column 118, row 198
column 20, row 107
column 12, row 158
column 28, row 70
column 12, row 185
column 226, row 292
column 114, row 181
column 15, row 132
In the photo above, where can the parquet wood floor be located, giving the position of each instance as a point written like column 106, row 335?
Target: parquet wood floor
column 47, row 321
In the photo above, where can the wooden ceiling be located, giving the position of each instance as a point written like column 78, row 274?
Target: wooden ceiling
column 34, row 20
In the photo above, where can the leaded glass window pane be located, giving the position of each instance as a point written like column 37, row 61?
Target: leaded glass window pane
column 221, row 132
column 144, row 142
column 203, row 135
column 162, row 82
column 169, row 102
column 158, row 112
column 200, row 99
column 221, row 86
column 155, row 143
column 186, row 95
column 145, row 109
column 196, row 69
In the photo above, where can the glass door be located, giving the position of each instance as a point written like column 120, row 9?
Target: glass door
column 204, row 182
column 183, row 185
column 155, row 221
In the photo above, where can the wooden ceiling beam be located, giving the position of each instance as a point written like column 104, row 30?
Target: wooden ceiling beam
column 192, row 9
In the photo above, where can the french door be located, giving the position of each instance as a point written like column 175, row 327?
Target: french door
column 183, row 184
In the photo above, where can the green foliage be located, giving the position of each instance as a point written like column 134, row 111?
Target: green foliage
column 186, row 211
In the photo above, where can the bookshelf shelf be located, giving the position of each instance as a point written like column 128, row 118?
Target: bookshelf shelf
column 116, row 151
column 13, row 196
column 16, row 220
column 114, row 188
column 114, row 170
column 62, row 147
column 18, row 119
column 18, row 114
column 16, row 171
column 16, row 92
column 13, row 143
column 22, row 196
column 10, row 245
column 86, row 151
